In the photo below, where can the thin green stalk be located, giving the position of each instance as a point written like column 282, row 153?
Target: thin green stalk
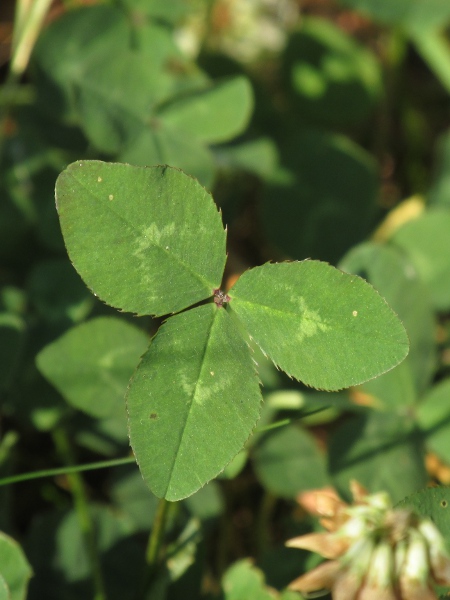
column 81, row 503
column 157, row 534
column 153, row 555
column 66, row 470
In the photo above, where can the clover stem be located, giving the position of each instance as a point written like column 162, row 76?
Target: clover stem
column 153, row 555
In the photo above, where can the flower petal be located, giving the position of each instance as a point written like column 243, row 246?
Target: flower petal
column 322, row 503
column 359, row 492
column 326, row 544
column 375, row 593
column 322, row 577
column 414, row 590
column 347, row 585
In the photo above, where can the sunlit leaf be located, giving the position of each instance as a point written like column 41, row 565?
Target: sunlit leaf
column 145, row 240
column 328, row 329
column 192, row 402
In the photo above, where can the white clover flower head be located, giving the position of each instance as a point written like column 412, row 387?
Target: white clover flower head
column 377, row 552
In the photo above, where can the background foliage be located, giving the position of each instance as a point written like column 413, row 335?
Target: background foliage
column 321, row 131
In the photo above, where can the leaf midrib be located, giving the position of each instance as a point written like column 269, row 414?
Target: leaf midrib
column 191, row 401
column 291, row 314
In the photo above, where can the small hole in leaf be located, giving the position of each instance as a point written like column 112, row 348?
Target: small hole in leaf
column 444, row 503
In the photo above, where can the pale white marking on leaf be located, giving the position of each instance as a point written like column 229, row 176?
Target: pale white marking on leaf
column 153, row 236
column 310, row 322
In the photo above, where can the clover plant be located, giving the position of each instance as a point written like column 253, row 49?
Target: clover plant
column 150, row 241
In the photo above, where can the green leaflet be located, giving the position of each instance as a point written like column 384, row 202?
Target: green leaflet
column 192, row 402
column 145, row 240
column 90, row 365
column 324, row 327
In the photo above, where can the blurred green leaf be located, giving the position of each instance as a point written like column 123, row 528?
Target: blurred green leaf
column 433, row 414
column 416, row 15
column 327, row 329
column 14, row 568
column 393, row 391
column 132, row 497
column 323, row 200
column 214, row 114
column 107, row 82
column 439, row 192
column 287, row 461
column 243, row 581
column 58, row 293
column 178, row 132
column 426, row 241
column 13, row 300
column 133, row 92
column 207, row 503
column 12, row 332
column 258, row 156
column 397, row 280
column 169, row 12
column 164, row 145
column 380, row 450
column 334, row 79
column 4, row 592
column 90, row 365
column 185, row 563
column 57, row 552
column 107, row 436
column 161, row 243
column 233, row 468
column 195, row 389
